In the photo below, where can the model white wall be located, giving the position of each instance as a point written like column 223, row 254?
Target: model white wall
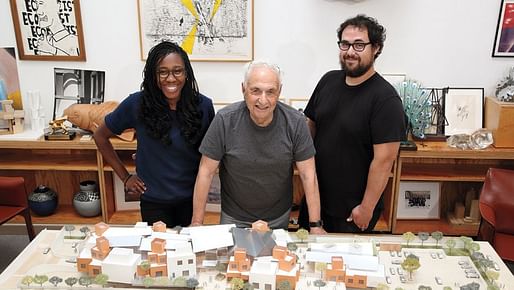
column 438, row 42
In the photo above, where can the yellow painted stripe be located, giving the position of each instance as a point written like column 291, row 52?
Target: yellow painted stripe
column 189, row 41
column 191, row 7
column 217, row 4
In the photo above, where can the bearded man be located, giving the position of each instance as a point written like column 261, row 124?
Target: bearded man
column 357, row 121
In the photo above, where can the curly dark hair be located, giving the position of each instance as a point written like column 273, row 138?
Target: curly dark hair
column 154, row 107
column 376, row 32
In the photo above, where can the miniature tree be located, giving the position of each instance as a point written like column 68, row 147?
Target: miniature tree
column 248, row 286
column 69, row 229
column 451, row 245
column 179, row 282
column 85, row 281
column 423, row 236
column 27, row 280
column 221, row 268
column 447, row 288
column 162, row 281
column 320, row 266
column 101, row 279
column 55, row 280
column 192, row 283
column 472, row 247
column 492, row 275
column 71, row 281
column 399, row 288
column 284, row 285
column 302, row 234
column 437, row 236
column 85, row 230
column 145, row 265
column 319, row 283
column 148, row 281
column 292, row 246
column 408, row 237
column 411, row 264
column 422, row 287
column 236, row 284
column 382, row 286
column 40, row 279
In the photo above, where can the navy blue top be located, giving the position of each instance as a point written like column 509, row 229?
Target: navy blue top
column 168, row 171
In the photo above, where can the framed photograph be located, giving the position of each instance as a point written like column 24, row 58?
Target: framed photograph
column 76, row 86
column 504, row 38
column 48, row 30
column 463, row 110
column 418, row 200
column 207, row 30
column 299, row 104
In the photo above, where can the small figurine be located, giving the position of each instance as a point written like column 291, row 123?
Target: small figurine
column 58, row 130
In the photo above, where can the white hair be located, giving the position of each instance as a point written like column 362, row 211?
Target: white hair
column 262, row 63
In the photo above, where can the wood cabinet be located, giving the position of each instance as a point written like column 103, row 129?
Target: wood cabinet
column 457, row 171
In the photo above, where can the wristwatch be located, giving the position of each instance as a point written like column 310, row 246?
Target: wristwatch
column 316, row 224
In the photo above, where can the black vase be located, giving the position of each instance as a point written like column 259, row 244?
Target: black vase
column 43, row 200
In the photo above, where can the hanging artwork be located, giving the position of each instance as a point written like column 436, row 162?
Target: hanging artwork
column 208, row 30
column 464, row 110
column 9, row 82
column 504, row 38
column 48, row 30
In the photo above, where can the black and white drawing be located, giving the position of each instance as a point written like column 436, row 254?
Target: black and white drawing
column 205, row 29
column 48, row 30
column 464, row 110
column 418, row 200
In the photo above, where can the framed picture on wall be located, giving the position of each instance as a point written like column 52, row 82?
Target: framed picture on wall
column 504, row 38
column 207, row 30
column 48, row 30
column 218, row 106
column 463, row 110
column 299, row 104
column 418, row 200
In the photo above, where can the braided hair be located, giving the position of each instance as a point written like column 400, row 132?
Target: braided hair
column 154, row 110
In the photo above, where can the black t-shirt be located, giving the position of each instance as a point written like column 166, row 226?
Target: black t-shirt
column 349, row 120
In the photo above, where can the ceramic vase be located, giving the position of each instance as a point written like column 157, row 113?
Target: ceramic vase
column 87, row 200
column 43, row 201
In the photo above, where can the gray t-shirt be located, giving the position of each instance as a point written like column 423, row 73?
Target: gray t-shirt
column 256, row 163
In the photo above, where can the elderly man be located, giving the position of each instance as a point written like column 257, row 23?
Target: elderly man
column 255, row 143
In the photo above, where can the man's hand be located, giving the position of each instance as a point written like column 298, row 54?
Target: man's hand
column 195, row 224
column 317, row 231
column 135, row 185
column 361, row 217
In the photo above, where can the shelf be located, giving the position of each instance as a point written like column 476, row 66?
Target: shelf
column 430, row 226
column 130, row 217
column 443, row 172
column 19, row 159
column 65, row 214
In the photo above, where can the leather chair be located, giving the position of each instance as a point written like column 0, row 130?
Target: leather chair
column 497, row 210
column 13, row 202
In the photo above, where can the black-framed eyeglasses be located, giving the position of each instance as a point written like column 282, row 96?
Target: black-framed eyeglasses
column 357, row 46
column 177, row 73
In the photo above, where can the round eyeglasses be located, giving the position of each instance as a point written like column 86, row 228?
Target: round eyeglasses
column 177, row 73
column 357, row 46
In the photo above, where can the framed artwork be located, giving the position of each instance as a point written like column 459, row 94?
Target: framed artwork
column 299, row 104
column 463, row 110
column 435, row 130
column 418, row 200
column 122, row 200
column 48, row 30
column 504, row 38
column 76, row 86
column 207, row 30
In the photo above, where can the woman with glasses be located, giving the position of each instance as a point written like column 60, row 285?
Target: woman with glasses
column 170, row 117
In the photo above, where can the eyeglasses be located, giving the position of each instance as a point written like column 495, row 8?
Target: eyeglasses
column 357, row 46
column 177, row 73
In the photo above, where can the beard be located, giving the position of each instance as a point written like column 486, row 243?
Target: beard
column 357, row 71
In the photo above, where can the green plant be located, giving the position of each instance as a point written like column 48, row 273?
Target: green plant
column 302, row 234
column 101, row 279
column 71, row 281
column 236, row 284
column 284, row 285
column 408, row 237
column 27, row 280
column 411, row 264
column 40, row 279
column 55, row 280
column 437, row 236
column 85, row 281
column 148, row 281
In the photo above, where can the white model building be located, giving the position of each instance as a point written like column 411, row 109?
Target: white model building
column 263, row 274
column 181, row 263
column 120, row 265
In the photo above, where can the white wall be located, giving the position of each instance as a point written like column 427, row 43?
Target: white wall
column 438, row 42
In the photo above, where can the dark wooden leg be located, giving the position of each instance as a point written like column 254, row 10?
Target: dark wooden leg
column 28, row 223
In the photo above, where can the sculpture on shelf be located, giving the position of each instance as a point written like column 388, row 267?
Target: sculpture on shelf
column 14, row 118
column 58, row 130
column 417, row 105
column 91, row 116
column 505, row 88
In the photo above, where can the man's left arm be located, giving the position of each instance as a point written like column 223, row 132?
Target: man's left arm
column 379, row 171
column 307, row 171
